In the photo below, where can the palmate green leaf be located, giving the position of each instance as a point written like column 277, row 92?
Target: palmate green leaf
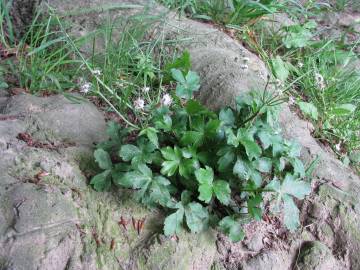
column 243, row 169
column 298, row 167
column 277, row 145
column 151, row 133
column 190, row 152
column 232, row 228
column 197, row 217
column 205, row 176
column 296, row 188
column 256, row 178
column 183, row 92
column 226, row 159
column 195, row 138
column 211, row 128
column 171, row 153
column 265, row 138
column 186, row 197
column 101, row 181
column 129, row 151
column 280, row 163
column 263, row 165
column 193, row 80
column 158, row 191
column 193, row 107
column 227, row 117
column 274, row 185
column 208, row 187
column 172, row 161
column 173, row 222
column 178, row 75
column 136, row 179
column 103, row 159
column 293, row 149
column 182, row 63
column 205, row 192
column 186, row 86
column 291, row 213
column 252, row 149
column 116, row 134
column 231, row 138
column 222, row 191
column 165, row 123
column 253, row 205
column 170, row 167
column 187, row 167
column 143, row 153
column 112, row 130
column 293, row 187
column 246, row 138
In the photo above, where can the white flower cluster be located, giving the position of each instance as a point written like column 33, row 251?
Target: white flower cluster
column 139, row 104
column 166, row 100
column 85, row 87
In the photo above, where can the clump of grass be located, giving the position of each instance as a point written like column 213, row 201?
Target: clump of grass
column 326, row 84
column 125, row 67
column 231, row 13
column 45, row 59
column 333, row 87
column 7, row 37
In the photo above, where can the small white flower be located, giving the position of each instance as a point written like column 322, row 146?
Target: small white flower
column 338, row 147
column 139, row 104
column 244, row 66
column 166, row 100
column 291, row 100
column 246, row 59
column 97, row 71
column 85, row 87
column 300, row 64
column 146, row 89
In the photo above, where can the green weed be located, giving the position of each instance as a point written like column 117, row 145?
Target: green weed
column 228, row 13
column 171, row 166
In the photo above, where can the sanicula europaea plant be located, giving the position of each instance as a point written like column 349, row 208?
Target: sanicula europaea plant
column 204, row 168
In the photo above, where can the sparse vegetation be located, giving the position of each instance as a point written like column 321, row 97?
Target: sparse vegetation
column 162, row 153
